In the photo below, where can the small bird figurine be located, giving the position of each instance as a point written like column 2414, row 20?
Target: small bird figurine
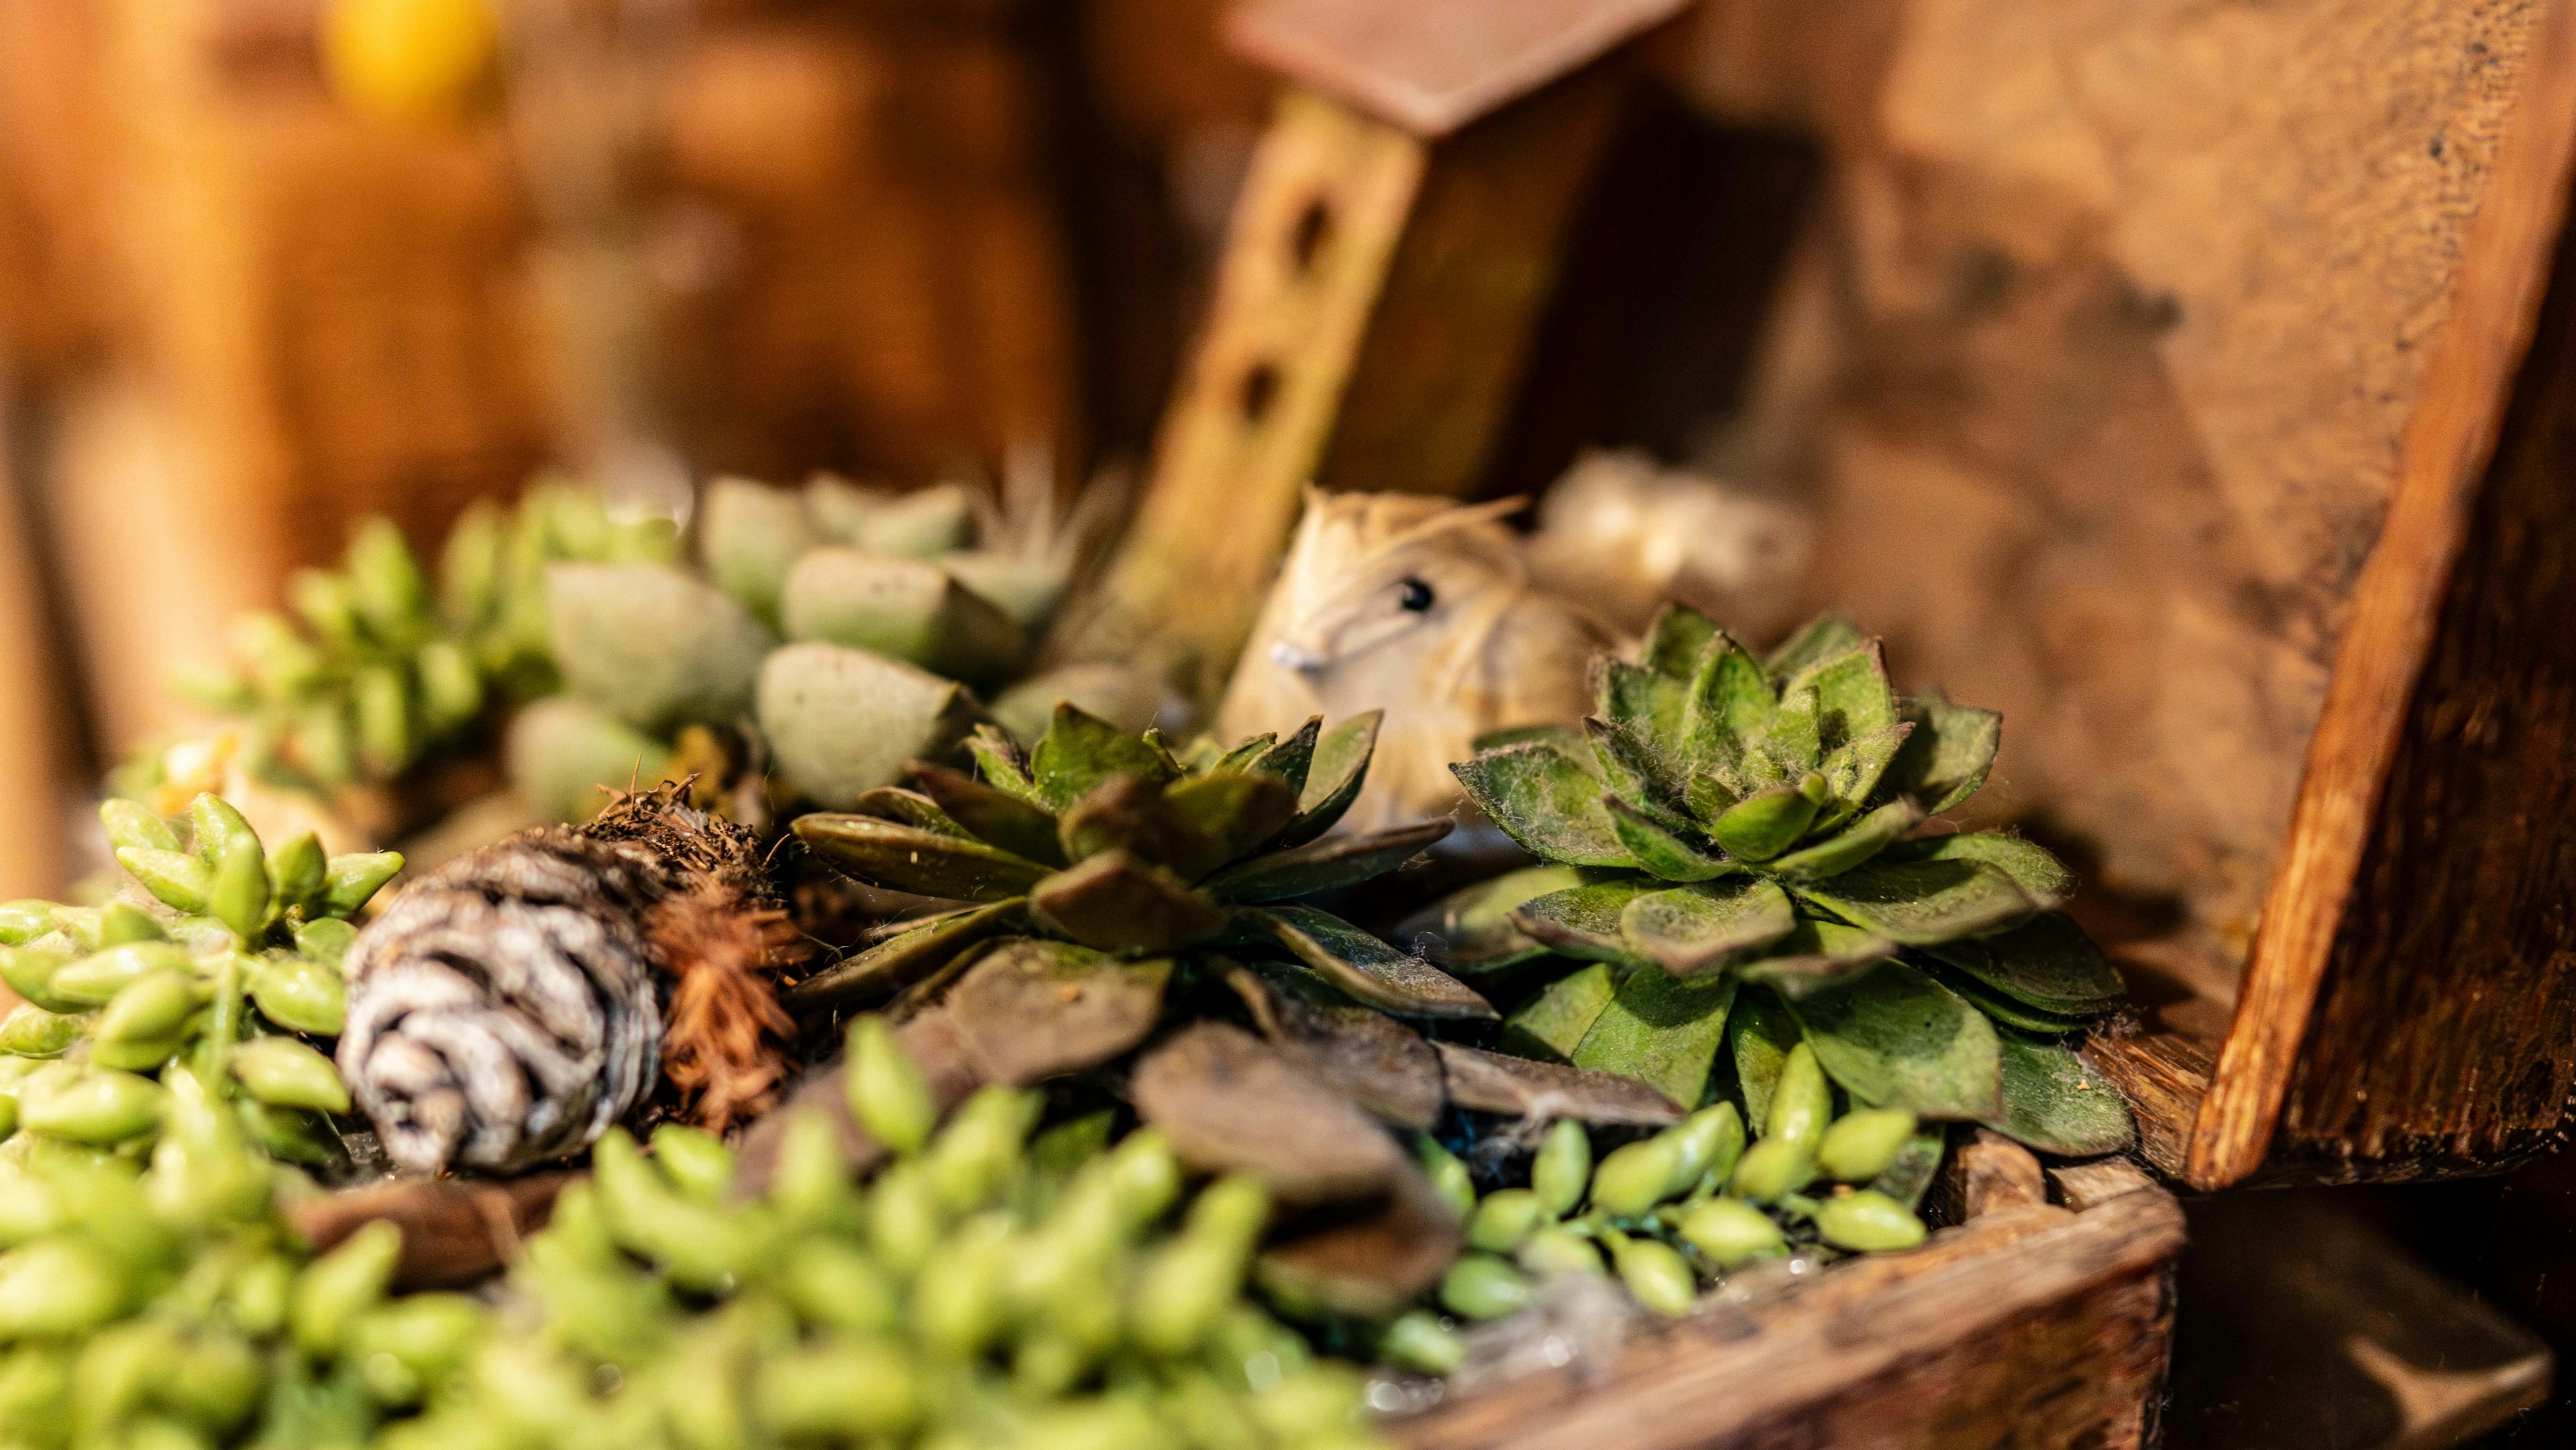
column 1422, row 608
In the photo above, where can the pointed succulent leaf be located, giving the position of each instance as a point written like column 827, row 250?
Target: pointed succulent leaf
column 1544, row 799
column 1713, row 790
column 1819, row 639
column 1243, row 754
column 1005, row 818
column 1853, row 697
column 1645, row 704
column 1333, row 781
column 1677, row 639
column 1119, row 902
column 1817, row 954
column 2041, row 876
column 1795, row 743
column 908, row 808
column 1688, row 930
column 1634, row 770
column 1361, row 965
column 1564, row 738
column 1551, row 1025
column 1237, row 810
column 1759, row 1034
column 1291, row 759
column 1004, row 767
column 2055, row 1102
column 1360, row 1052
column 1322, row 865
column 1854, row 768
column 1768, row 822
column 1730, row 705
column 2006, row 1011
column 1470, row 930
column 1661, row 1030
column 1923, row 903
column 1853, row 846
column 1915, row 1168
column 1583, row 921
column 2047, row 963
column 1029, row 1010
column 1128, row 813
column 1081, row 750
column 1948, row 754
column 1659, row 845
column 1897, row 1039
column 889, row 966
column 904, row 858
column 1493, row 1082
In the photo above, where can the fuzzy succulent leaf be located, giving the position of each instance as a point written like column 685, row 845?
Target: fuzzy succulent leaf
column 1551, row 1025
column 1117, row 901
column 1897, row 1039
column 1005, row 766
column 889, row 966
column 1470, row 930
column 1583, row 921
column 907, row 858
column 1008, row 820
column 1923, row 903
column 2047, row 963
column 1644, row 703
column 2054, row 1101
column 2041, row 876
column 1322, row 865
column 1333, row 779
column 1853, row 847
column 1759, row 1034
column 1547, row 799
column 1676, row 640
column 1731, row 701
column 1662, row 847
column 1688, row 930
column 1080, row 751
column 1946, row 757
column 1818, row 954
column 1768, row 822
column 1361, row 965
column 1662, row 1031
column 2005, row 1010
column 1819, row 639
column 1636, row 768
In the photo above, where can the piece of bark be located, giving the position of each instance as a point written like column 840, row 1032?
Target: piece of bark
column 454, row 1230
column 1495, row 1082
column 1232, row 1103
column 2081, row 1186
column 1030, row 1010
column 935, row 1045
column 1988, row 1172
column 1359, row 1052
column 1373, row 1265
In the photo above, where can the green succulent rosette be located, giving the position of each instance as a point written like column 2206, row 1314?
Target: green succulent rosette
column 1109, row 843
column 1729, row 824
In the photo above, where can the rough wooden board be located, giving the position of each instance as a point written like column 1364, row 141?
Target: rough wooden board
column 2030, row 1327
column 2439, row 1039
column 2396, row 614
column 1433, row 66
column 2164, row 1075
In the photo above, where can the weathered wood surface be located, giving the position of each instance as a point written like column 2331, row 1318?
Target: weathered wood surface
column 2172, row 340
column 2031, row 1326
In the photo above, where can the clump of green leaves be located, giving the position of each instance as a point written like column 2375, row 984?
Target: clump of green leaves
column 374, row 666
column 1726, row 820
column 1109, row 843
column 221, row 960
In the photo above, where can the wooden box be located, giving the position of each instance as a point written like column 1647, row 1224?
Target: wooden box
column 2185, row 406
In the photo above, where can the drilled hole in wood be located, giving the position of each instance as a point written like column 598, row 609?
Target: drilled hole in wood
column 1260, row 387
column 1313, row 225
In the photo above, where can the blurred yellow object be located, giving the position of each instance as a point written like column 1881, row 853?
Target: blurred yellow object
column 409, row 60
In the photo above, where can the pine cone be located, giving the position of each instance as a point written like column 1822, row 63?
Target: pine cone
column 509, row 1007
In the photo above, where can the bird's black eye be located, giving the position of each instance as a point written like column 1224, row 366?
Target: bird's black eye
column 1417, row 596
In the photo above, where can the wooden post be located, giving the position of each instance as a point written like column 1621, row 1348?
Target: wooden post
column 1389, row 257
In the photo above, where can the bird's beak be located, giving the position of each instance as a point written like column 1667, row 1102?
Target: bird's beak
column 1307, row 662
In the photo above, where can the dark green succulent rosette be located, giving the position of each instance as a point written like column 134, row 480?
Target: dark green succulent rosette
column 1109, row 844
column 1734, row 836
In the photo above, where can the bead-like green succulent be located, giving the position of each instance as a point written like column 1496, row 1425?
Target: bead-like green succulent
column 1111, row 842
column 1727, row 818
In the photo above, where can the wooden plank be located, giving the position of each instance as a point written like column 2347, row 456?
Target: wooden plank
column 1434, row 66
column 2033, row 1327
column 2396, row 606
column 1314, row 232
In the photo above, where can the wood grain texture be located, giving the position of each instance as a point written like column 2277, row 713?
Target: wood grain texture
column 1434, row 66
column 2439, row 1039
column 2396, row 611
column 2028, row 1327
